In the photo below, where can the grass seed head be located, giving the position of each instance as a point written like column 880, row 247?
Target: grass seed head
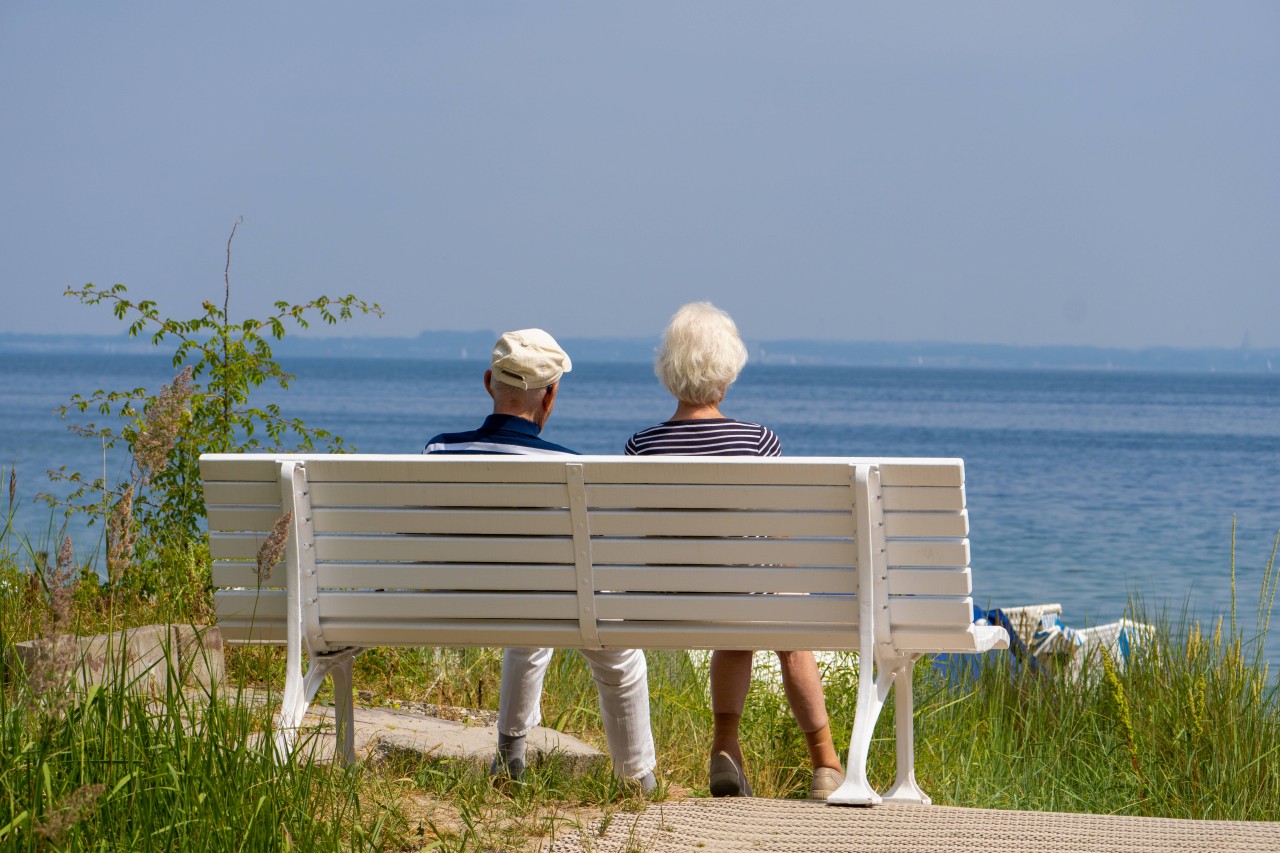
column 161, row 424
column 121, row 535
column 272, row 548
column 71, row 811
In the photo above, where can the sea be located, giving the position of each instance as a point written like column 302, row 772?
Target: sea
column 1091, row 489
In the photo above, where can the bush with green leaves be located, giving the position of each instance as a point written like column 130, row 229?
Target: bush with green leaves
column 207, row 409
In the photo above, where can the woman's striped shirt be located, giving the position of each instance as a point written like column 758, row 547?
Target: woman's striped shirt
column 707, row 437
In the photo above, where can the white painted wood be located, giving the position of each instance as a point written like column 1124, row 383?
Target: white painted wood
column 248, row 605
column 374, row 606
column 927, row 553
column 439, row 494
column 485, row 633
column 229, row 518
column 734, row 551
column 707, row 607
column 720, row 635
column 714, row 523
column 253, row 633
column 476, row 576
column 832, row 579
column 446, row 549
column 242, row 467
column 242, row 494
column 583, row 570
column 649, row 496
column 897, row 498
column 943, row 581
column 434, row 469
column 242, row 573
column 924, row 524
column 489, row 522
column 937, row 641
column 921, row 472
column 858, row 554
column 930, row 612
column 235, row 546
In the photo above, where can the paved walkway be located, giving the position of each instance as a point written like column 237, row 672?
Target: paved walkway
column 795, row 826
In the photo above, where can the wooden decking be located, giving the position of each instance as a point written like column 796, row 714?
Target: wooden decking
column 716, row 826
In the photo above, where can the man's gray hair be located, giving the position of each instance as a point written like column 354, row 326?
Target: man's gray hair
column 701, row 354
column 511, row 395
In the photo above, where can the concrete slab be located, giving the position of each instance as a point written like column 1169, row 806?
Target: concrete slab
column 148, row 657
column 382, row 732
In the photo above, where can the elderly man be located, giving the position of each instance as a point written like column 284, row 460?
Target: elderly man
column 523, row 379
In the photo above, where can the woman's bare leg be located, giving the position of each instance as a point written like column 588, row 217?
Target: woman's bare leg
column 803, row 686
column 730, row 681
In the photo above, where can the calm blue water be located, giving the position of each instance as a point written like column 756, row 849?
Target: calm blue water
column 1084, row 487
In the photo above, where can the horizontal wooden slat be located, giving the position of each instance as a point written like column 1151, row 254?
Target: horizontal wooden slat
column 243, row 518
column 478, row 576
column 682, row 471
column 254, row 633
column 241, row 467
column 912, row 498
column 839, row 579
column 445, row 549
column 927, row 552
column 710, row 523
column 927, row 612
column 746, row 551
column 435, row 469
column 831, row 470
column 488, row 633
column 678, row 607
column 938, row 472
column 242, row 573
column 247, row 605
column 701, row 635
column 374, row 606
column 447, row 576
column 235, row 546
column 945, row 581
column 242, row 494
column 513, row 522
column 898, row 524
column 439, row 494
column 833, row 498
column 973, row 639
column 929, row 582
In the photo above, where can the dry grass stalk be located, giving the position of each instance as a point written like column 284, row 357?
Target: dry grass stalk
column 71, row 811
column 161, row 424
column 57, row 651
column 121, row 535
column 272, row 548
column 13, row 484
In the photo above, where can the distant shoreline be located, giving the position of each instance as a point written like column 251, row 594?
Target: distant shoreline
column 474, row 346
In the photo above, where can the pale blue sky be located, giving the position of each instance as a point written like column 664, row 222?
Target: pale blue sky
column 1090, row 173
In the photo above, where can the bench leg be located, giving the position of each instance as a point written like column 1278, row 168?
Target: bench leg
column 344, row 714
column 300, row 690
column 905, row 789
column 856, row 790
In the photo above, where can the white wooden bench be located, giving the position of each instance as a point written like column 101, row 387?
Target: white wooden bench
column 862, row 554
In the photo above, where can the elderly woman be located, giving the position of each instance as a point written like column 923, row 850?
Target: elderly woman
column 700, row 357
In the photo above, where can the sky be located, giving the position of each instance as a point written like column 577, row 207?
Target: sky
column 1095, row 173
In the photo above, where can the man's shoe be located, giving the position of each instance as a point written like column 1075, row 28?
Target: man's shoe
column 512, row 768
column 824, row 783
column 727, row 778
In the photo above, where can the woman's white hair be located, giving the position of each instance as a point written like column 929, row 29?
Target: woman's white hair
column 701, row 354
